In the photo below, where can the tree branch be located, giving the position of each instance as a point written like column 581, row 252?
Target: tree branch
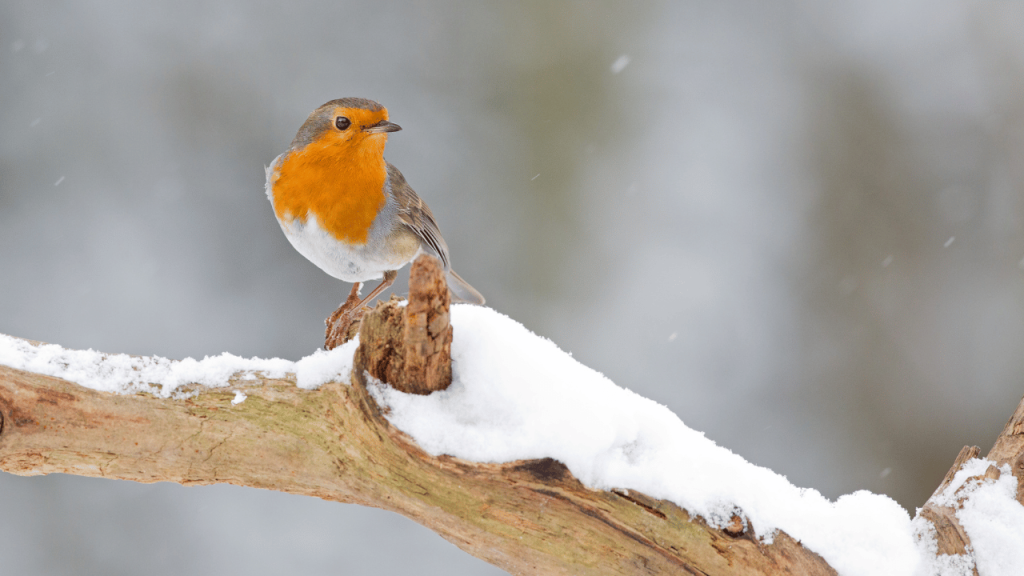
column 527, row 517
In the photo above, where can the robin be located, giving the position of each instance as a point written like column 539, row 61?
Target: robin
column 348, row 210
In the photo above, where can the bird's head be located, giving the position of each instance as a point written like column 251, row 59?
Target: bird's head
column 347, row 125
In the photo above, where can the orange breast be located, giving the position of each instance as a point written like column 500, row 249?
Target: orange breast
column 340, row 182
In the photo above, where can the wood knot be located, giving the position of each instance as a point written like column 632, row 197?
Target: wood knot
column 736, row 527
column 547, row 470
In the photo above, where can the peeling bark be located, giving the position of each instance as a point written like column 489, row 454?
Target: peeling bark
column 410, row 347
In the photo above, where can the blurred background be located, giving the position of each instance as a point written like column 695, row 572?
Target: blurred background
column 798, row 225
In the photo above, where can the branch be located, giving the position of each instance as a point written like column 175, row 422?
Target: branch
column 527, row 517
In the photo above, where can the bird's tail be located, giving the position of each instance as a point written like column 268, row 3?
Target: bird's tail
column 462, row 291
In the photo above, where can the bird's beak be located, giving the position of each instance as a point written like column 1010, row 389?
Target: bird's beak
column 382, row 127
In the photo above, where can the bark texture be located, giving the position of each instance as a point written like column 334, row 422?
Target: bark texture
column 410, row 347
column 428, row 330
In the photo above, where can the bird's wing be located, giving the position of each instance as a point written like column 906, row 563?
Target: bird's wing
column 416, row 216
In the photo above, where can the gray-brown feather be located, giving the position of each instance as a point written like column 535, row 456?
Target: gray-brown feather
column 415, row 215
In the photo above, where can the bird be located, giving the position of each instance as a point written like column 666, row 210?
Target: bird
column 350, row 211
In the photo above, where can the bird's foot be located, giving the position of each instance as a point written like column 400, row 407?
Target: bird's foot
column 343, row 324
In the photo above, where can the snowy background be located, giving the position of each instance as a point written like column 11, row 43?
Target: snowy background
column 800, row 227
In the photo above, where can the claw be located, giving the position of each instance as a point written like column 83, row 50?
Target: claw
column 340, row 323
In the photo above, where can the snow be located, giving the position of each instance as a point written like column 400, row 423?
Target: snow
column 124, row 374
column 992, row 518
column 322, row 366
column 620, row 64
column 517, row 396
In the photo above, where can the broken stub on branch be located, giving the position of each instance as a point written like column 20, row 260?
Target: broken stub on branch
column 410, row 347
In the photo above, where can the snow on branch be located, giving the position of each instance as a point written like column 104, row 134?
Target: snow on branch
column 528, row 460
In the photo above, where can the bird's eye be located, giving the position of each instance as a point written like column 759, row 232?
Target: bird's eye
column 342, row 123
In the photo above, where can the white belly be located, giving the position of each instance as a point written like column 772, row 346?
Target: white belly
column 348, row 262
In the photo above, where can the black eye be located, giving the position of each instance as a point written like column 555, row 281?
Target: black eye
column 342, row 123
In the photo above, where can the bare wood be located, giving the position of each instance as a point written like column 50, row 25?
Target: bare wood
column 1009, row 448
column 380, row 342
column 950, row 536
column 428, row 330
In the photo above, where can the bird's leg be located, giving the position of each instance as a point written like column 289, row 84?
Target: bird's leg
column 340, row 322
column 351, row 302
column 389, row 279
